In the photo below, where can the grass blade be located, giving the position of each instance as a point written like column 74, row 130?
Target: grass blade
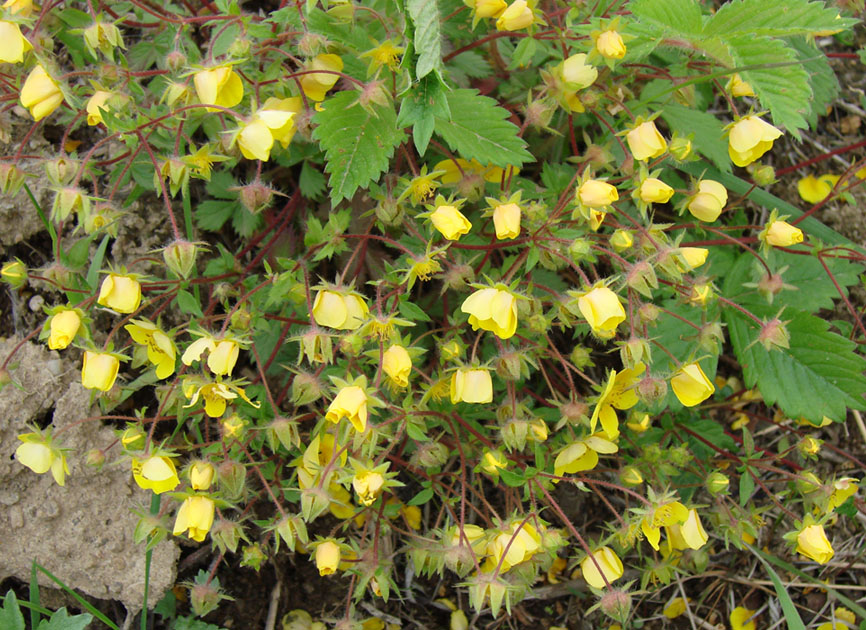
column 84, row 603
column 788, row 607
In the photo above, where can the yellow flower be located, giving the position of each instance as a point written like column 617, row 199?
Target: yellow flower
column 842, row 490
column 576, row 73
column 472, row 386
column 517, row 16
column 327, row 557
column 218, row 86
column 675, row 608
column 351, row 403
column 691, row 386
column 39, row 455
column 738, row 87
column 602, row 310
column 121, row 294
column 316, row 84
column 19, row 7
column 488, row 8
column 707, row 203
column 583, row 454
column 595, row 193
column 195, row 517
column 783, row 234
column 99, row 370
column 814, row 189
column 343, row 311
column 609, row 44
column 596, row 218
column 749, row 138
column 492, row 462
column 492, row 309
column 645, row 142
column 270, row 110
column 450, row 222
column 214, row 395
column 161, row 350
column 521, row 545
column 663, row 515
column 40, row 94
column 386, row 54
column 13, row 44
column 222, row 354
column 368, row 484
column 256, row 137
column 506, row 220
column 619, row 393
column 653, row 190
column 694, row 257
column 155, row 473
column 812, row 542
column 608, row 562
column 63, row 328
column 738, row 618
column 690, row 534
column 95, row 105
column 201, row 475
column 397, row 364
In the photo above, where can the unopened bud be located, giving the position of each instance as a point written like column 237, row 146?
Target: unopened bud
column 284, row 431
column 316, row 346
column 306, row 388
column 631, row 476
column 311, row 44
column 389, row 212
column 509, row 367
column 762, row 174
column 180, row 256
column 616, row 604
column 648, row 313
column 227, row 534
column 809, row 446
column 204, row 598
column 94, row 458
column 634, row 351
column 175, row 61
column 374, row 93
column 808, row 482
column 710, row 336
column 11, row 179
column 430, row 455
column 351, row 344
column 232, row 477
column 5, row 377
column 773, row 335
column 642, row 278
column 580, row 251
column 240, row 47
column 581, row 357
column 255, row 197
column 539, row 113
column 717, row 482
column 680, row 148
column 651, row 389
column 253, row 556
column 574, row 412
column 458, row 276
column 133, row 438
column 14, row 273
column 770, row 285
column 241, row 320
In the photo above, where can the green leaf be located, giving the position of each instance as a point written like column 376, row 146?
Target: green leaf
column 783, row 89
column 682, row 16
column 212, row 214
column 778, row 18
column 358, row 145
column 422, row 497
column 512, row 479
column 96, row 263
column 747, row 485
column 189, row 623
column 419, row 108
column 707, row 129
column 10, row 615
column 413, row 312
column 818, row 375
column 792, row 617
column 311, row 181
column 822, row 79
column 244, row 222
column 61, row 620
column 187, row 303
column 428, row 38
column 478, row 130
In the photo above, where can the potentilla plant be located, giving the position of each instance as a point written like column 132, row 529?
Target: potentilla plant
column 427, row 264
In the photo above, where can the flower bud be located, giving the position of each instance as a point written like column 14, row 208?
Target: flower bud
column 717, row 483
column 581, row 357
column 175, row 61
column 610, row 45
column 14, row 273
column 691, row 386
column 133, row 438
column 708, row 201
column 808, row 482
column 180, row 257
column 204, row 598
column 241, row 320
column 763, row 174
column 616, row 604
column 642, row 278
column 782, row 234
column 580, row 251
column 648, row 313
column 812, row 542
column 710, row 336
column 253, row 556
column 774, row 335
column 256, row 196
column 809, row 446
column 651, row 389
column 284, row 431
column 430, row 455
column 60, row 171
column 574, row 412
column 95, row 458
column 680, row 148
column 227, row 534
column 232, row 478
column 11, row 179
column 631, row 476
column 390, row 212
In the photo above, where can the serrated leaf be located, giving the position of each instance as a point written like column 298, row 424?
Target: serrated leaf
column 822, row 79
column 212, row 214
column 358, row 145
column 682, row 16
column 814, row 290
column 189, row 623
column 818, row 375
column 478, row 130
column 419, row 108
column 783, row 89
column 779, row 18
column 10, row 615
column 61, row 620
column 311, row 181
column 244, row 222
column 707, row 129
column 471, row 64
column 428, row 38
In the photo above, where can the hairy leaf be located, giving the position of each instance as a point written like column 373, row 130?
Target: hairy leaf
column 682, row 16
column 428, row 38
column 782, row 87
column 822, row 79
column 818, row 375
column 61, row 620
column 478, row 130
column 778, row 18
column 358, row 145
column 10, row 615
